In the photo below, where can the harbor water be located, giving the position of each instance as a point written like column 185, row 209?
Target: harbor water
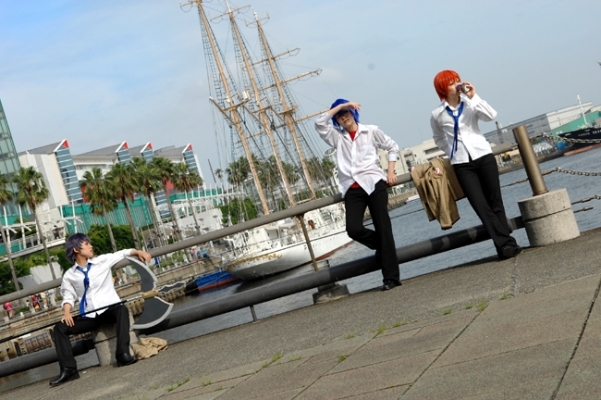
column 410, row 225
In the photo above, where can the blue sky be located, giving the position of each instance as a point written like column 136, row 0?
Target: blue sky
column 101, row 72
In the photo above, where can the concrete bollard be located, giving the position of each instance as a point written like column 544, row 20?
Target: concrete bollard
column 332, row 291
column 105, row 342
column 548, row 218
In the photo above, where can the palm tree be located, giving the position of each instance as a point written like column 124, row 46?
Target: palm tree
column 238, row 171
column 6, row 196
column 32, row 191
column 186, row 180
column 148, row 182
column 99, row 193
column 165, row 168
column 219, row 172
column 122, row 181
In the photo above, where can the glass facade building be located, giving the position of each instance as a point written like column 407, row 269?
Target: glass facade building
column 123, row 154
column 9, row 160
column 68, row 174
column 190, row 160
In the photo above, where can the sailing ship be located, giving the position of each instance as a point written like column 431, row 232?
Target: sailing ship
column 271, row 154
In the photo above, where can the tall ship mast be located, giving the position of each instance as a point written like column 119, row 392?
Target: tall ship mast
column 271, row 155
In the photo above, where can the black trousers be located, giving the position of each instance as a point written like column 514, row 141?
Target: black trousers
column 479, row 180
column 114, row 314
column 380, row 239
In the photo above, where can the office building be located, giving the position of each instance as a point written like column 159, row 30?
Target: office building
column 9, row 160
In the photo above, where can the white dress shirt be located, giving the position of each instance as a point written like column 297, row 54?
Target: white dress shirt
column 358, row 159
column 101, row 292
column 470, row 141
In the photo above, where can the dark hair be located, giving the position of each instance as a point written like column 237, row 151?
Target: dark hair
column 74, row 242
column 355, row 113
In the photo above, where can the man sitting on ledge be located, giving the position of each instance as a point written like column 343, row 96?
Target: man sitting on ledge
column 90, row 281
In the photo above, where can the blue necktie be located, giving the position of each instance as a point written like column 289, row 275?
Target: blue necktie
column 86, row 284
column 455, row 116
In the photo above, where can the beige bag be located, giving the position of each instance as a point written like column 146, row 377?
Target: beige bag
column 148, row 347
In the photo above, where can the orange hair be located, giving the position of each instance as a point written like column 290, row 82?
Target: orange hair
column 442, row 81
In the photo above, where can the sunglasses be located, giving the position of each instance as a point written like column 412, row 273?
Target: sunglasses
column 342, row 113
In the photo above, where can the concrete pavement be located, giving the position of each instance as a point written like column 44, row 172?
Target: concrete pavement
column 525, row 328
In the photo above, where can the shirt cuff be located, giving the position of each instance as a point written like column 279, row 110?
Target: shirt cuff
column 474, row 101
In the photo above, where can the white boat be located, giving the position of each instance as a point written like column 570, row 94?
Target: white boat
column 280, row 246
column 271, row 158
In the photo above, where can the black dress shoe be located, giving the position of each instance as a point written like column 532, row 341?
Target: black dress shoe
column 67, row 374
column 390, row 284
column 510, row 251
column 125, row 359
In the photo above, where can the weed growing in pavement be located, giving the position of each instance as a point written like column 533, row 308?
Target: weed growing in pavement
column 350, row 335
column 381, row 329
column 505, row 296
column 277, row 356
column 482, row 304
column 342, row 357
column 447, row 311
column 400, row 322
column 177, row 384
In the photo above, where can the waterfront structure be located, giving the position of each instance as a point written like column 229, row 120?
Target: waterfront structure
column 183, row 154
column 544, row 123
column 55, row 163
column 419, row 154
column 591, row 119
column 103, row 158
column 63, row 171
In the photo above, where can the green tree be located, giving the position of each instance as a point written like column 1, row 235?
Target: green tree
column 185, row 181
column 148, row 182
column 99, row 237
column 6, row 196
column 237, row 210
column 219, row 172
column 99, row 193
column 165, row 168
column 32, row 191
column 123, row 183
column 238, row 171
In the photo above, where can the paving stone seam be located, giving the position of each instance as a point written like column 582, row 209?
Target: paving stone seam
column 334, row 366
column 590, row 310
column 442, row 352
column 514, row 286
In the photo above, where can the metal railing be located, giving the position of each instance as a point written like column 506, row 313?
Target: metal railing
column 297, row 212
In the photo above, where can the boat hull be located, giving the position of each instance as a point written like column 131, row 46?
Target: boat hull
column 210, row 280
column 587, row 134
column 272, row 262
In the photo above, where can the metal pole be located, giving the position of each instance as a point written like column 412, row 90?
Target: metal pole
column 42, row 357
column 301, row 220
column 537, row 183
column 322, row 277
column 230, row 230
column 279, row 289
